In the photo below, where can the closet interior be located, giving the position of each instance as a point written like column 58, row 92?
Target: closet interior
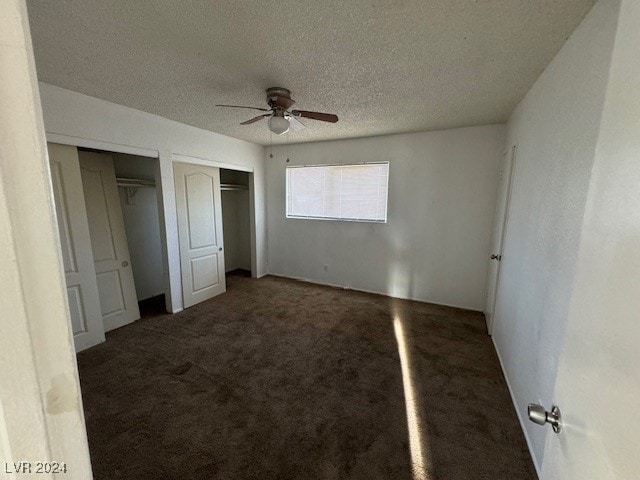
column 234, row 186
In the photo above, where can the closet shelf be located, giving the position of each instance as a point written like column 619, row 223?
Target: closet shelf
column 132, row 185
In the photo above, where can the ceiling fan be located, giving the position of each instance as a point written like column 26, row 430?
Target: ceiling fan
column 281, row 119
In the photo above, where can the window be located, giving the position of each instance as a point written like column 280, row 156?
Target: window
column 339, row 192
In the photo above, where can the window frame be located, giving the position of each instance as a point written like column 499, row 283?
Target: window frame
column 337, row 219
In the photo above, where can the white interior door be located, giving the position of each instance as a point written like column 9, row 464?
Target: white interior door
column 118, row 299
column 80, row 274
column 497, row 239
column 199, row 210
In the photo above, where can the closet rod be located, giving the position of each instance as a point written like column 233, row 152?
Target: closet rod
column 233, row 186
column 134, row 182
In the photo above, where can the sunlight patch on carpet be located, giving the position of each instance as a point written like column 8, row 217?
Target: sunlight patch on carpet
column 418, row 459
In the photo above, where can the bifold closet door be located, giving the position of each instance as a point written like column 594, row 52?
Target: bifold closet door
column 80, row 274
column 199, row 212
column 116, row 287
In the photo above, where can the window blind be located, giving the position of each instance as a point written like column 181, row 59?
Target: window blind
column 338, row 192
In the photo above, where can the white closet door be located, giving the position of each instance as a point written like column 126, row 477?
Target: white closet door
column 80, row 274
column 118, row 300
column 199, row 211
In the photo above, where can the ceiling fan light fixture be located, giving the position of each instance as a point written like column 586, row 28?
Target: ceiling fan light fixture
column 278, row 125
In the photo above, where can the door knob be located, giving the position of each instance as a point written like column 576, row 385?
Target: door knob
column 220, row 249
column 537, row 414
column 125, row 263
column 496, row 257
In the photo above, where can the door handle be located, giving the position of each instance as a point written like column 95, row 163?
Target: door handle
column 220, row 249
column 125, row 264
column 496, row 257
column 537, row 414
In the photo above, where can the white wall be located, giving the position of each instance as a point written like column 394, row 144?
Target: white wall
column 142, row 225
column 555, row 128
column 435, row 246
column 73, row 118
column 598, row 384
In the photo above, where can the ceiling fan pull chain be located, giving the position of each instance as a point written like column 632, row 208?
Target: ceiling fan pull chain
column 287, row 147
column 270, row 144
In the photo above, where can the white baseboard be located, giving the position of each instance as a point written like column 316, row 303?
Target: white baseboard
column 344, row 287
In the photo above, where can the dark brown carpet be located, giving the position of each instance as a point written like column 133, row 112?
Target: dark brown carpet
column 278, row 379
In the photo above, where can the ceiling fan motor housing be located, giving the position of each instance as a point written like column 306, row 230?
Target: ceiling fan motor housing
column 274, row 92
column 279, row 98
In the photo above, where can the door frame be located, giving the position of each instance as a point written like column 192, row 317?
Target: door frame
column 41, row 414
column 505, row 225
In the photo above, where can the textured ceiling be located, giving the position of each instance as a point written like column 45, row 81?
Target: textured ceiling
column 381, row 66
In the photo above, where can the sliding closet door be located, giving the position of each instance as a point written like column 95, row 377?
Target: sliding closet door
column 118, row 300
column 80, row 274
column 199, row 211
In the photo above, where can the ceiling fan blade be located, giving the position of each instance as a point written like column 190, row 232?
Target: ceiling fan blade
column 324, row 117
column 241, row 106
column 255, row 119
column 296, row 124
